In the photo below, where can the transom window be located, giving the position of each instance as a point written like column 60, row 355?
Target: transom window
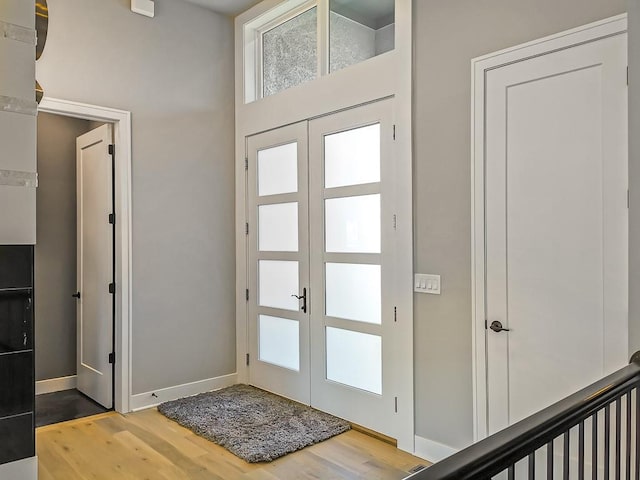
column 301, row 40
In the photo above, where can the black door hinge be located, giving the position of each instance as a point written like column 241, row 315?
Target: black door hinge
column 247, row 359
column 246, row 228
column 395, row 314
column 112, row 358
column 246, row 163
column 247, row 294
column 112, row 288
column 112, row 218
column 112, row 149
column 394, row 132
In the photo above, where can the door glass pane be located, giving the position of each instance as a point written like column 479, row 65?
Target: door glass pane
column 278, row 227
column 278, row 170
column 354, row 359
column 280, row 342
column 290, row 53
column 352, row 224
column 352, row 157
column 359, row 30
column 278, row 280
column 353, row 292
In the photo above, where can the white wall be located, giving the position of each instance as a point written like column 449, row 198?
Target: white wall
column 448, row 34
column 174, row 73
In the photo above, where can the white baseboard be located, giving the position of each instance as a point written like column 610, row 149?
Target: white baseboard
column 26, row 469
column 156, row 397
column 56, row 384
column 432, row 451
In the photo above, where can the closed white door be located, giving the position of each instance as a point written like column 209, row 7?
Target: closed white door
column 95, row 265
column 278, row 236
column 556, row 226
column 322, row 228
column 352, row 201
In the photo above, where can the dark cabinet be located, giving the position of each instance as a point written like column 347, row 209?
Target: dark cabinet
column 17, row 368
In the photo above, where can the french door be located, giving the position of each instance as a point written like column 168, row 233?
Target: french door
column 321, row 248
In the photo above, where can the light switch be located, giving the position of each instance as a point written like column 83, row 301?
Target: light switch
column 424, row 283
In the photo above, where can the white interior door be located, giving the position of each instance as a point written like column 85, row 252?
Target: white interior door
column 278, row 235
column 352, row 203
column 95, row 264
column 556, row 226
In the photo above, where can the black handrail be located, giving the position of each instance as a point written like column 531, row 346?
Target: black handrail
column 502, row 450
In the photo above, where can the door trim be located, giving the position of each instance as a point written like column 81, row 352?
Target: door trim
column 479, row 67
column 121, row 121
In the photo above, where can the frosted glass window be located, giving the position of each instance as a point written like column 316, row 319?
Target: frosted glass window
column 354, row 359
column 278, row 280
column 278, row 227
column 280, row 342
column 352, row 224
column 278, row 170
column 354, row 292
column 290, row 53
column 359, row 30
column 352, row 157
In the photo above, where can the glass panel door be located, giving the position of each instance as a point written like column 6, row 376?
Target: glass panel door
column 351, row 204
column 278, row 241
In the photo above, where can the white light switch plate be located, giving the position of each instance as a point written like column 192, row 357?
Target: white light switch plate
column 424, row 283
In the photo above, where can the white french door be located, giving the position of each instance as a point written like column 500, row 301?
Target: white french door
column 321, row 227
column 279, row 261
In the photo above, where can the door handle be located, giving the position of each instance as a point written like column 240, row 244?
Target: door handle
column 76, row 295
column 302, row 297
column 496, row 326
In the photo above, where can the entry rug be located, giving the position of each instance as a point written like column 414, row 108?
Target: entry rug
column 255, row 425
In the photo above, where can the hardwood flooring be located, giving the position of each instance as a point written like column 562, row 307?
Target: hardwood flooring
column 147, row 446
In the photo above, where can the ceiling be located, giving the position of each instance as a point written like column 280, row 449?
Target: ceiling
column 227, row 7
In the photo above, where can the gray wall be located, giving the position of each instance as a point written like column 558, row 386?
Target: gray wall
column 448, row 34
column 634, row 175
column 55, row 256
column 174, row 73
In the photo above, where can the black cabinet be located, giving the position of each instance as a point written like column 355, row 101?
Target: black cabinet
column 17, row 368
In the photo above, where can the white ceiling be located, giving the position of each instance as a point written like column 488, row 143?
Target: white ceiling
column 227, row 7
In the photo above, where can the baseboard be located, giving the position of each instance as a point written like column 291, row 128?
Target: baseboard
column 154, row 398
column 432, row 451
column 26, row 469
column 56, row 384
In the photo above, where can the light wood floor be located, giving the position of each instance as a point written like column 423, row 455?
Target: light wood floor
column 146, row 445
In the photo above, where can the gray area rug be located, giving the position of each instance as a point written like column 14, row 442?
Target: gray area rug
column 255, row 425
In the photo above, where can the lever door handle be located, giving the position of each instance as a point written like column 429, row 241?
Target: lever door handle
column 302, row 297
column 496, row 326
column 76, row 295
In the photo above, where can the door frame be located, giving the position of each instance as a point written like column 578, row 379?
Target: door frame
column 121, row 121
column 348, row 88
column 479, row 67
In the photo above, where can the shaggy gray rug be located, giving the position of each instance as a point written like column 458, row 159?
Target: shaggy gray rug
column 255, row 425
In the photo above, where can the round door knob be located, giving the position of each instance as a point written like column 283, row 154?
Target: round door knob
column 496, row 326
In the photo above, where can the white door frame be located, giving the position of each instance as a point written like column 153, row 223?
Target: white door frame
column 121, row 121
column 479, row 67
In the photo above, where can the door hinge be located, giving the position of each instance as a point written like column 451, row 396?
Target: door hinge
column 112, row 358
column 396, row 404
column 247, row 359
column 246, row 163
column 112, row 288
column 246, row 228
column 395, row 314
column 247, row 294
column 112, row 149
column 112, row 218
column 486, row 326
column 394, row 132
column 395, row 221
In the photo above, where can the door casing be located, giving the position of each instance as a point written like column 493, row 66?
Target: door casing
column 564, row 40
column 121, row 121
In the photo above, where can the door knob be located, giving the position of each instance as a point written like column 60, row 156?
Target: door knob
column 496, row 326
column 76, row 295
